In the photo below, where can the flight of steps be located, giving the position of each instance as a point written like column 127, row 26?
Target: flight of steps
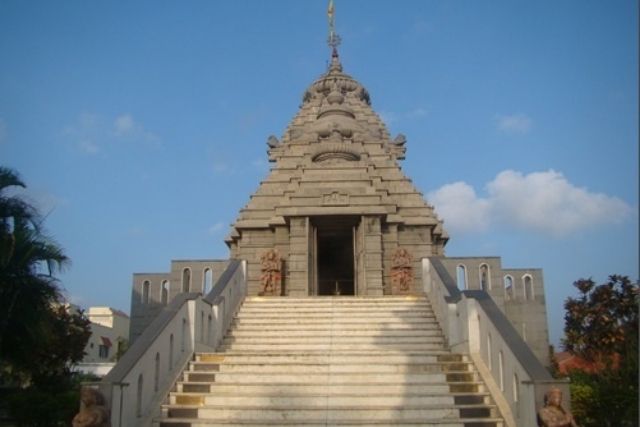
column 344, row 361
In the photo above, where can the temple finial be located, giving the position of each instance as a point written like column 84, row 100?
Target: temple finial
column 334, row 38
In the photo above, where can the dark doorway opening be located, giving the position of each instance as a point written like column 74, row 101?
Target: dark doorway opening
column 335, row 255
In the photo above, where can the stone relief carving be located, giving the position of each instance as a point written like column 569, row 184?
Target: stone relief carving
column 364, row 96
column 397, row 147
column 400, row 140
column 401, row 272
column 334, row 151
column 553, row 413
column 93, row 412
column 271, row 277
column 272, row 141
column 273, row 148
column 335, row 199
column 342, row 83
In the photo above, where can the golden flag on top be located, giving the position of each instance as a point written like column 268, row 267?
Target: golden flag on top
column 330, row 10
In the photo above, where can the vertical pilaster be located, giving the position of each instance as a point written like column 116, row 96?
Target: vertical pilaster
column 282, row 246
column 373, row 255
column 389, row 245
column 298, row 273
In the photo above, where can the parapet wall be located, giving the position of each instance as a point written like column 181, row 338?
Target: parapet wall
column 518, row 293
column 151, row 292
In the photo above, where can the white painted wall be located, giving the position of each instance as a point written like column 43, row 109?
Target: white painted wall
column 467, row 328
column 131, row 407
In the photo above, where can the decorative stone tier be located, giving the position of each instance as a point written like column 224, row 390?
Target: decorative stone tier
column 336, row 160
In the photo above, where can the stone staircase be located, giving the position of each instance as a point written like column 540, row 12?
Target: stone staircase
column 343, row 361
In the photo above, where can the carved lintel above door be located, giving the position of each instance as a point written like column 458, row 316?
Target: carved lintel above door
column 335, row 199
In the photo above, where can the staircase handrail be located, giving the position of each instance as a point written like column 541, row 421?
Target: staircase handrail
column 140, row 346
column 471, row 320
column 178, row 320
column 225, row 278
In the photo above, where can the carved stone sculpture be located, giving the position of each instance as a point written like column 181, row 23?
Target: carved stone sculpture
column 400, row 139
column 271, row 277
column 401, row 272
column 272, row 141
column 93, row 412
column 553, row 414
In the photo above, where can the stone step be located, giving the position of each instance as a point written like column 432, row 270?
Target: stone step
column 426, row 378
column 468, row 422
column 338, row 309
column 317, row 389
column 329, row 368
column 344, row 361
column 329, row 415
column 368, row 357
column 357, row 306
column 328, row 375
column 346, row 313
column 246, row 347
column 309, row 398
column 253, row 333
column 320, row 358
column 328, row 338
column 323, row 321
column 387, row 299
column 328, row 326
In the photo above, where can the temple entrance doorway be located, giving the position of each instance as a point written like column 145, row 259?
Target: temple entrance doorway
column 334, row 249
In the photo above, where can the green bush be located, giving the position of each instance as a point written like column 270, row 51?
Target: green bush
column 35, row 407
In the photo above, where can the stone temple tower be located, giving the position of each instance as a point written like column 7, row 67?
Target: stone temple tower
column 336, row 215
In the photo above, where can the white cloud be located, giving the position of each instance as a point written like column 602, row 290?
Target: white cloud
column 87, row 120
column 88, row 146
column 548, row 203
column 85, row 133
column 44, row 201
column 514, row 123
column 216, row 228
column 92, row 134
column 390, row 117
column 417, row 113
column 124, row 124
column 462, row 210
column 260, row 164
column 220, row 167
column 542, row 202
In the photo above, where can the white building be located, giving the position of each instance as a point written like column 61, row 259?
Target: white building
column 109, row 332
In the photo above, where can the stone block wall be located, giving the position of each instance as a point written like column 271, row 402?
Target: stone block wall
column 147, row 298
column 525, row 308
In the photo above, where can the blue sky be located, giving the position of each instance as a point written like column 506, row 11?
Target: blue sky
column 140, row 127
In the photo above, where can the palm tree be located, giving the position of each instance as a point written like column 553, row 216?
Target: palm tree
column 13, row 208
column 28, row 288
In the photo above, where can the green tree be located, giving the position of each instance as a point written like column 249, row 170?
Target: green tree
column 601, row 326
column 67, row 336
column 38, row 338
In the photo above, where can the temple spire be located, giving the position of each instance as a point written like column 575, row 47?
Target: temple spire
column 334, row 38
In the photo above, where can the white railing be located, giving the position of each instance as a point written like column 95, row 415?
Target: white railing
column 474, row 324
column 138, row 384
